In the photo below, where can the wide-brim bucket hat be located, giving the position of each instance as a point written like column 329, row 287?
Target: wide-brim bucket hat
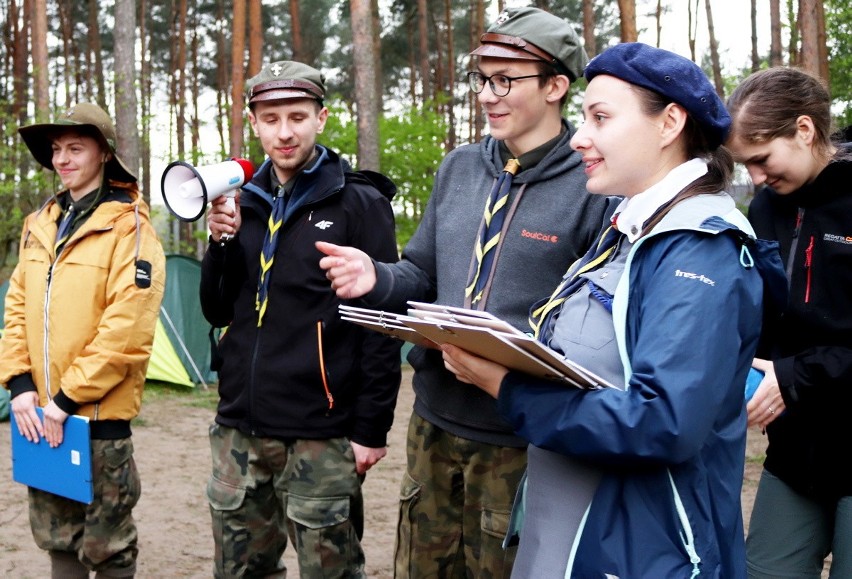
column 86, row 116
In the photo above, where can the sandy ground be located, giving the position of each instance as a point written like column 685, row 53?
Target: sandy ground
column 172, row 454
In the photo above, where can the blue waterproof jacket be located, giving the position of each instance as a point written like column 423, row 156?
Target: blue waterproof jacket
column 671, row 446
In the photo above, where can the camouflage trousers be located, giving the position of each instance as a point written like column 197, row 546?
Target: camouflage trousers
column 455, row 501
column 263, row 490
column 102, row 534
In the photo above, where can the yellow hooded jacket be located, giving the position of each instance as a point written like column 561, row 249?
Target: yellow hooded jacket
column 84, row 322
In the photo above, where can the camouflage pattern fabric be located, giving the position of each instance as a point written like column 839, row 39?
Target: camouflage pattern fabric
column 263, row 490
column 455, row 501
column 103, row 534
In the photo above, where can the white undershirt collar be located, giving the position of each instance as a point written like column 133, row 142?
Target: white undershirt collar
column 634, row 211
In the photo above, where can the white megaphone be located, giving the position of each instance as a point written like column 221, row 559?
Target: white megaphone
column 187, row 189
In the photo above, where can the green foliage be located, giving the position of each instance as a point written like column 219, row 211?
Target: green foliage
column 411, row 150
column 838, row 26
column 19, row 195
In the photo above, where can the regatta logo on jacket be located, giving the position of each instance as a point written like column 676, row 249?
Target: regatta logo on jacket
column 847, row 240
column 324, row 224
column 699, row 277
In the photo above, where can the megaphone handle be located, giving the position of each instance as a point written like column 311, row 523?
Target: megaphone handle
column 229, row 201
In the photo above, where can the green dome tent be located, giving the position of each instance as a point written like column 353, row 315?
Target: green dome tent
column 181, row 353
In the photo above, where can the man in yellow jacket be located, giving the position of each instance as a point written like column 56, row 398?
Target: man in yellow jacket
column 81, row 310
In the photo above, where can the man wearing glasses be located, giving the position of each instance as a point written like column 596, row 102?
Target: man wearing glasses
column 506, row 218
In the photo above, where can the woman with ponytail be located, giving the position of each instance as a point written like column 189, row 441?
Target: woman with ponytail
column 782, row 133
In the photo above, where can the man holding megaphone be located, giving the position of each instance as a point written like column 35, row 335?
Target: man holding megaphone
column 306, row 400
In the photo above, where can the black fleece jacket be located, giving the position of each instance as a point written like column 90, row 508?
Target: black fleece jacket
column 303, row 373
column 810, row 342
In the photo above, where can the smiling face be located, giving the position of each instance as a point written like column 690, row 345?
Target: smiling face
column 783, row 163
column 288, row 130
column 529, row 115
column 78, row 159
column 624, row 149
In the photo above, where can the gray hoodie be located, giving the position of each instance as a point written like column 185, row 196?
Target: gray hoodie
column 552, row 221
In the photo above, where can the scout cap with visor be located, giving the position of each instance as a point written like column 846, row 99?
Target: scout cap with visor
column 286, row 80
column 529, row 33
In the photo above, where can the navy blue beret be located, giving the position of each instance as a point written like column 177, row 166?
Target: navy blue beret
column 671, row 75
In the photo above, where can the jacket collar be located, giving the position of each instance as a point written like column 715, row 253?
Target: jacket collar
column 634, row 212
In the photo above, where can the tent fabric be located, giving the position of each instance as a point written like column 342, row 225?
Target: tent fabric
column 184, row 326
column 5, row 404
column 181, row 351
column 165, row 364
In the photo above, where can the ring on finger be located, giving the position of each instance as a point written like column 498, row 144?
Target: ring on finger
column 771, row 410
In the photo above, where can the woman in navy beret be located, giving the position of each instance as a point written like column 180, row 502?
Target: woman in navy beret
column 643, row 479
column 803, row 509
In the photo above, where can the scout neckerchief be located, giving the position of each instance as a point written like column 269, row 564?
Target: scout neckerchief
column 489, row 233
column 73, row 214
column 497, row 213
column 267, row 253
column 542, row 316
column 284, row 194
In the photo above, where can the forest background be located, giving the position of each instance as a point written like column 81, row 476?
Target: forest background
column 172, row 74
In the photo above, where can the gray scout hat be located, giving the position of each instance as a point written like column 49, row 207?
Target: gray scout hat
column 529, row 33
column 88, row 117
column 286, row 80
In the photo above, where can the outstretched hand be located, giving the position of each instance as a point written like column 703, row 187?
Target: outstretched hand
column 351, row 271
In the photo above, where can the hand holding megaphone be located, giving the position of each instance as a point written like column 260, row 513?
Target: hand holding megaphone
column 187, row 189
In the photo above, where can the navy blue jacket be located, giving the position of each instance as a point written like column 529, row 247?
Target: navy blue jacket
column 671, row 446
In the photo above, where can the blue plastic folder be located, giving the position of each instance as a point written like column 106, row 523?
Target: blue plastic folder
column 65, row 470
column 753, row 380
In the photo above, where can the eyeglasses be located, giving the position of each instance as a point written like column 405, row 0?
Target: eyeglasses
column 500, row 83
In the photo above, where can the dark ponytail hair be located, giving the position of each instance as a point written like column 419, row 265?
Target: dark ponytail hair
column 720, row 163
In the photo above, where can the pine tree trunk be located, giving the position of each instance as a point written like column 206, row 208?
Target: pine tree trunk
column 238, row 40
column 809, row 27
column 361, row 12
column 775, row 58
column 125, row 86
column 96, row 49
column 255, row 38
column 296, row 32
column 589, row 27
column 39, row 59
column 755, row 57
column 145, row 100
column 627, row 10
column 451, row 78
column 714, row 53
column 423, row 35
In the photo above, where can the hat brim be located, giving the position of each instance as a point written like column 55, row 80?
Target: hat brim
column 283, row 94
column 503, row 51
column 38, row 139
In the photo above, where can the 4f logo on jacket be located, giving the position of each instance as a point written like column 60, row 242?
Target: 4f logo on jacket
column 324, row 224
